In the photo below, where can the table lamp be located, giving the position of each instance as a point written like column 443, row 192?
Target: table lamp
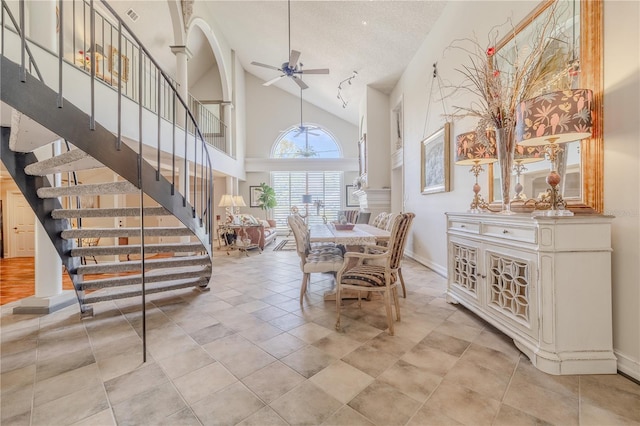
column 524, row 155
column 306, row 200
column 238, row 202
column 227, row 202
column 470, row 151
column 550, row 120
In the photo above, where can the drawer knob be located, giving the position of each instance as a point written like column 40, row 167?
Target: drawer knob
column 463, row 226
column 505, row 231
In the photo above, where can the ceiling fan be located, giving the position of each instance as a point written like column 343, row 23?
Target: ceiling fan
column 292, row 68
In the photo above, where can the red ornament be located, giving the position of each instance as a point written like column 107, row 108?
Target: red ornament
column 491, row 51
column 496, row 73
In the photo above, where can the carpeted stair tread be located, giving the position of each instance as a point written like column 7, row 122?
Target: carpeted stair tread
column 135, row 249
column 88, row 189
column 134, row 265
column 123, row 293
column 125, row 232
column 182, row 273
column 108, row 212
column 69, row 161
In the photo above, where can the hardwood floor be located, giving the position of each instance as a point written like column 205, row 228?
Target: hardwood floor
column 18, row 277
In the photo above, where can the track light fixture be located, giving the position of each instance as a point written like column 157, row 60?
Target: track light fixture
column 346, row 80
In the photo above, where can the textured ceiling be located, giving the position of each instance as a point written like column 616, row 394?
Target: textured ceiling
column 330, row 34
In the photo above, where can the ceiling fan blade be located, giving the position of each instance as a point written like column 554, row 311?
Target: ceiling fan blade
column 265, row 66
column 273, row 80
column 293, row 58
column 299, row 82
column 315, row 71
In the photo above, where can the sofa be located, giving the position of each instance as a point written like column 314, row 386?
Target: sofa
column 263, row 234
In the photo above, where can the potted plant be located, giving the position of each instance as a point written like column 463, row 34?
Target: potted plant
column 267, row 198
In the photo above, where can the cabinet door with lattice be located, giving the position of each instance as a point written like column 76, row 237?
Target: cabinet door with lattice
column 511, row 293
column 464, row 268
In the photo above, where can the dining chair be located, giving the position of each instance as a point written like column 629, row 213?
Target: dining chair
column 381, row 276
column 320, row 259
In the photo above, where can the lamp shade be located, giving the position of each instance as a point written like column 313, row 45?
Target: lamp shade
column 470, row 150
column 556, row 117
column 226, row 201
column 529, row 154
column 306, row 199
column 239, row 201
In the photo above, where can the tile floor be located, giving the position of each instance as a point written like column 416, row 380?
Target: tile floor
column 246, row 353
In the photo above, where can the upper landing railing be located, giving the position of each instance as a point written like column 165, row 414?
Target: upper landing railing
column 102, row 45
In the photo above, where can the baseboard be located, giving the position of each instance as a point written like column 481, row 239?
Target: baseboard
column 628, row 366
column 438, row 269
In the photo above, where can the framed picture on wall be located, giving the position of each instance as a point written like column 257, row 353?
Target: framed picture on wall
column 435, row 161
column 254, row 194
column 350, row 199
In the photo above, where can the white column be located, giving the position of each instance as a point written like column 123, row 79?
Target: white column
column 42, row 23
column 49, row 296
column 182, row 57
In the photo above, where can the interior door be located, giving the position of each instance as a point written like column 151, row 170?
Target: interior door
column 20, row 226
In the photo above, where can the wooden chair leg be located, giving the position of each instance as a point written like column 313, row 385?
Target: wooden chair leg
column 387, row 305
column 303, row 287
column 404, row 289
column 338, row 303
column 396, row 301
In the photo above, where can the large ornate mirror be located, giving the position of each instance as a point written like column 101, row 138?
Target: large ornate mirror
column 581, row 22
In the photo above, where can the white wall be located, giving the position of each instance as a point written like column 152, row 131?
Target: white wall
column 622, row 157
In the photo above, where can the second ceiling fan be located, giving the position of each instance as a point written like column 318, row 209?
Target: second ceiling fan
column 292, row 68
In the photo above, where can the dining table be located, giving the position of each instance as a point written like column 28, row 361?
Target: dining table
column 353, row 239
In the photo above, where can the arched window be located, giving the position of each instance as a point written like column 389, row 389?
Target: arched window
column 307, row 142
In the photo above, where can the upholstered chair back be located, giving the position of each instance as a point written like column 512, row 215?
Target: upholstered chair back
column 398, row 239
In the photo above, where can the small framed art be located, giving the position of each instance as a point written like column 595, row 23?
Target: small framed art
column 435, row 161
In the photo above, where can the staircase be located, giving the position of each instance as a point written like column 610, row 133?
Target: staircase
column 167, row 257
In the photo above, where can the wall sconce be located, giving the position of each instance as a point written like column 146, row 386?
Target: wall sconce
column 471, row 152
column 550, row 120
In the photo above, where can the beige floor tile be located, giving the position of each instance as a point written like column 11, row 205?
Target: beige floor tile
column 18, row 378
column 308, row 361
column 597, row 416
column 459, row 330
column 416, row 382
column 103, row 418
column 273, row 381
column 500, row 363
column 342, row 381
column 337, row 345
column 231, row 405
column 184, row 417
column 271, row 313
column 446, row 343
column 362, row 358
column 357, row 330
column 611, row 393
column 478, row 409
column 209, row 334
column 429, row 416
column 17, row 360
column 384, row 405
column 478, row 378
column 263, row 417
column 203, row 382
column 509, row 416
column 347, row 416
column 16, row 402
column 492, row 338
column 433, row 360
column 282, row 345
column 67, row 410
column 527, row 373
column 185, row 362
column 310, row 332
column 306, row 404
column 394, row 345
column 138, row 381
column 150, row 407
column 261, row 333
column 116, row 366
column 226, row 351
column 66, row 383
column 541, row 402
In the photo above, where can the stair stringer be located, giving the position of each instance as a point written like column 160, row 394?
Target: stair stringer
column 36, row 100
column 15, row 163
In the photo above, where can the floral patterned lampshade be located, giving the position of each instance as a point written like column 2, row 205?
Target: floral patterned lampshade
column 528, row 154
column 556, row 117
column 470, row 150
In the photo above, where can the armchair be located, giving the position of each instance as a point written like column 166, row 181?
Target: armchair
column 377, row 269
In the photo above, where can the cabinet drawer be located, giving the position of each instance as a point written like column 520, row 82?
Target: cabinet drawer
column 526, row 234
column 471, row 227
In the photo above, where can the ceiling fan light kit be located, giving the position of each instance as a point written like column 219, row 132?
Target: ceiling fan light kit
column 292, row 68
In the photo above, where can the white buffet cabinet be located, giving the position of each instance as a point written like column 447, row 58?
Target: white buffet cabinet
column 543, row 281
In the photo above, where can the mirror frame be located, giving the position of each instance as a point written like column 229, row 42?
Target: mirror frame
column 591, row 77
